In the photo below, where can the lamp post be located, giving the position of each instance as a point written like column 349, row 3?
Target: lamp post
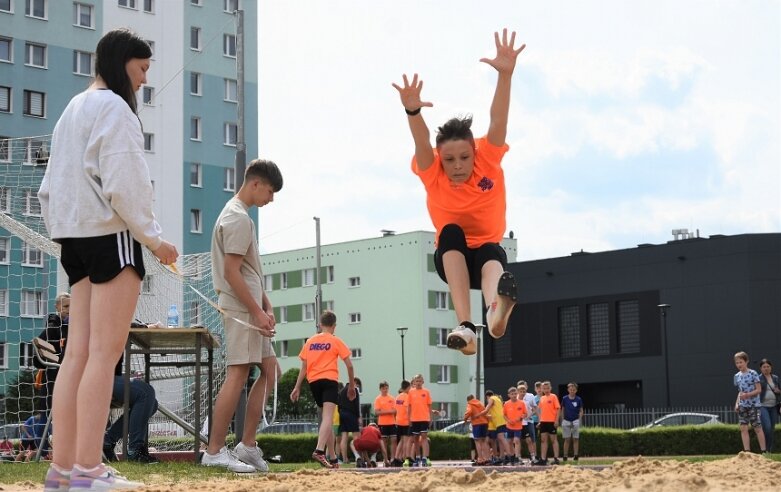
column 402, row 330
column 663, row 311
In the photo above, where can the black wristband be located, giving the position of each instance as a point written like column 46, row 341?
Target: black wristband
column 413, row 112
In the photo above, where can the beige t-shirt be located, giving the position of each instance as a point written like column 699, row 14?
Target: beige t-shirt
column 234, row 233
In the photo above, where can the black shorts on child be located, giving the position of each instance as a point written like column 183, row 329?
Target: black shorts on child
column 324, row 391
column 101, row 258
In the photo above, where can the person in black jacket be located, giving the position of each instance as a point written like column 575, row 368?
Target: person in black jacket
column 770, row 399
column 56, row 333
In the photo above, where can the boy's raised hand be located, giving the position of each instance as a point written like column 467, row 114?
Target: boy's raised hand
column 506, row 54
column 410, row 93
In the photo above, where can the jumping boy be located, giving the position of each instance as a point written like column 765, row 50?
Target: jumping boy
column 466, row 200
column 385, row 410
column 747, row 404
column 318, row 363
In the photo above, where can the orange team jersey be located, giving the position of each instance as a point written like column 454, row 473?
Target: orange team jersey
column 496, row 414
column 420, row 405
column 321, row 352
column 478, row 205
column 474, row 407
column 402, row 409
column 386, row 402
column 549, row 408
column 514, row 413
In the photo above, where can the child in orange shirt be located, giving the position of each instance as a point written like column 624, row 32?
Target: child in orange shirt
column 465, row 196
column 514, row 413
column 404, row 446
column 385, row 410
column 476, row 413
column 318, row 363
column 549, row 416
column 420, row 418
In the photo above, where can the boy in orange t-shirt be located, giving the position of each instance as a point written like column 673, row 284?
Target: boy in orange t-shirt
column 404, row 446
column 477, row 414
column 514, row 413
column 420, row 418
column 466, row 200
column 385, row 410
column 549, row 415
column 319, row 357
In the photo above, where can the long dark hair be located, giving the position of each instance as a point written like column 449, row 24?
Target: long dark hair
column 114, row 50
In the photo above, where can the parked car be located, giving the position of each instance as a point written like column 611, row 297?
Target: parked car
column 458, row 428
column 291, row 428
column 682, row 418
column 10, row 431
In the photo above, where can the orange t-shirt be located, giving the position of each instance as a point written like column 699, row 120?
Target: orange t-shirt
column 514, row 413
column 402, row 409
column 386, row 402
column 321, row 353
column 420, row 405
column 549, row 408
column 478, row 205
column 474, row 407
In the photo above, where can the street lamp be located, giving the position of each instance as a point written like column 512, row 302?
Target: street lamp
column 663, row 311
column 402, row 330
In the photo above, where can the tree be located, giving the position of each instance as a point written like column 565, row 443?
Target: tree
column 305, row 406
column 20, row 397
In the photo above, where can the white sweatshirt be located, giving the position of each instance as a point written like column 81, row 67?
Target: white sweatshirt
column 97, row 181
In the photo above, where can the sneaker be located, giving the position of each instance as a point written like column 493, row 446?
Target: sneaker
column 372, row 464
column 427, row 463
column 141, row 456
column 463, row 338
column 251, row 456
column 564, row 459
column 226, row 459
column 102, row 477
column 334, row 463
column 556, row 461
column 575, row 458
column 109, row 454
column 57, row 480
column 320, row 458
column 499, row 311
column 406, row 463
column 359, row 463
column 539, row 462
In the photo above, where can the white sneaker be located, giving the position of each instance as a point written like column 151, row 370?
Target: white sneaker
column 499, row 311
column 102, row 477
column 251, row 456
column 464, row 339
column 226, row 459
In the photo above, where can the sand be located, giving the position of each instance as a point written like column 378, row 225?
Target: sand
column 745, row 472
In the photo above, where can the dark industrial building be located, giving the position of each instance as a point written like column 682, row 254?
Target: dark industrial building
column 594, row 318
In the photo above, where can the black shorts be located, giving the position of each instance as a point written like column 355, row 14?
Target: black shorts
column 348, row 421
column 418, row 428
column 402, row 430
column 101, row 258
column 452, row 238
column 547, row 428
column 324, row 391
column 388, row 430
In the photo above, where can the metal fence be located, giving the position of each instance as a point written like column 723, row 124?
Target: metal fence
column 636, row 417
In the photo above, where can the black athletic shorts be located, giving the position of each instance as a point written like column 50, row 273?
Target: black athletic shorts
column 388, row 430
column 101, row 258
column 402, row 430
column 348, row 421
column 452, row 238
column 324, row 390
column 419, row 427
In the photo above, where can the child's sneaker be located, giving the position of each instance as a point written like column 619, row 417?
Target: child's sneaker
column 102, row 477
column 504, row 302
column 57, row 479
column 251, row 456
column 320, row 458
column 463, row 338
column 225, row 459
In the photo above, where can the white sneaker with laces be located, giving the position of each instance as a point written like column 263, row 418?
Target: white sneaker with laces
column 251, row 456
column 225, row 459
column 464, row 339
column 102, row 477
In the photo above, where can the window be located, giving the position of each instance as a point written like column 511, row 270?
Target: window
column 34, row 104
column 231, row 90
column 32, row 256
column 282, row 314
column 354, row 318
column 441, row 336
column 196, row 175
column 3, row 302
column 329, row 274
column 32, row 205
column 149, row 142
column 5, row 105
column 283, row 347
column 82, row 15
column 195, row 128
column 195, row 220
column 598, row 329
column 5, row 199
column 5, row 146
column 229, row 180
column 628, row 314
column 6, row 50
column 309, row 311
column 32, row 304
column 230, row 5
column 329, row 305
column 195, row 38
column 147, row 284
column 151, row 47
column 231, row 134
column 309, row 277
column 82, row 63
column 5, row 250
column 148, row 95
column 229, row 45
column 569, row 331
column 356, row 353
column 443, row 374
column 149, row 6
column 35, row 55
column 440, row 301
column 354, row 282
column 7, row 6
column 195, row 83
column 195, row 313
column 36, row 8
column 268, row 283
column 130, row 4
column 26, row 354
column 197, row 3
column 3, row 355
column 283, row 280
column 35, row 152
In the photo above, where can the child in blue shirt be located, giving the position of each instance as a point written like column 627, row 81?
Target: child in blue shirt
column 747, row 404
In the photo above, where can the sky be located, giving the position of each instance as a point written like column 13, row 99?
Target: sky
column 627, row 119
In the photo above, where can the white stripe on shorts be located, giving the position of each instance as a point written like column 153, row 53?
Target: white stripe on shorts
column 125, row 249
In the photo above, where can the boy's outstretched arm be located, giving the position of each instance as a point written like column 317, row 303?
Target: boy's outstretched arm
column 504, row 63
column 410, row 99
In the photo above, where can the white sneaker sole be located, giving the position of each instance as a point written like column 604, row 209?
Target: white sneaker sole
column 506, row 297
column 467, row 345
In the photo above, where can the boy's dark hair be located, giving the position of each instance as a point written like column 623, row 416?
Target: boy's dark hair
column 384, row 384
column 114, row 50
column 470, row 397
column 742, row 355
column 266, row 171
column 489, row 393
column 328, row 318
column 455, row 129
column 405, row 384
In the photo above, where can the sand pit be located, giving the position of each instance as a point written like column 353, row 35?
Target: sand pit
column 742, row 472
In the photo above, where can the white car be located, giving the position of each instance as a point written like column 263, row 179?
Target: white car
column 682, row 418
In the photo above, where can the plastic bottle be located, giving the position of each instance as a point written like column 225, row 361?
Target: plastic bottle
column 173, row 316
